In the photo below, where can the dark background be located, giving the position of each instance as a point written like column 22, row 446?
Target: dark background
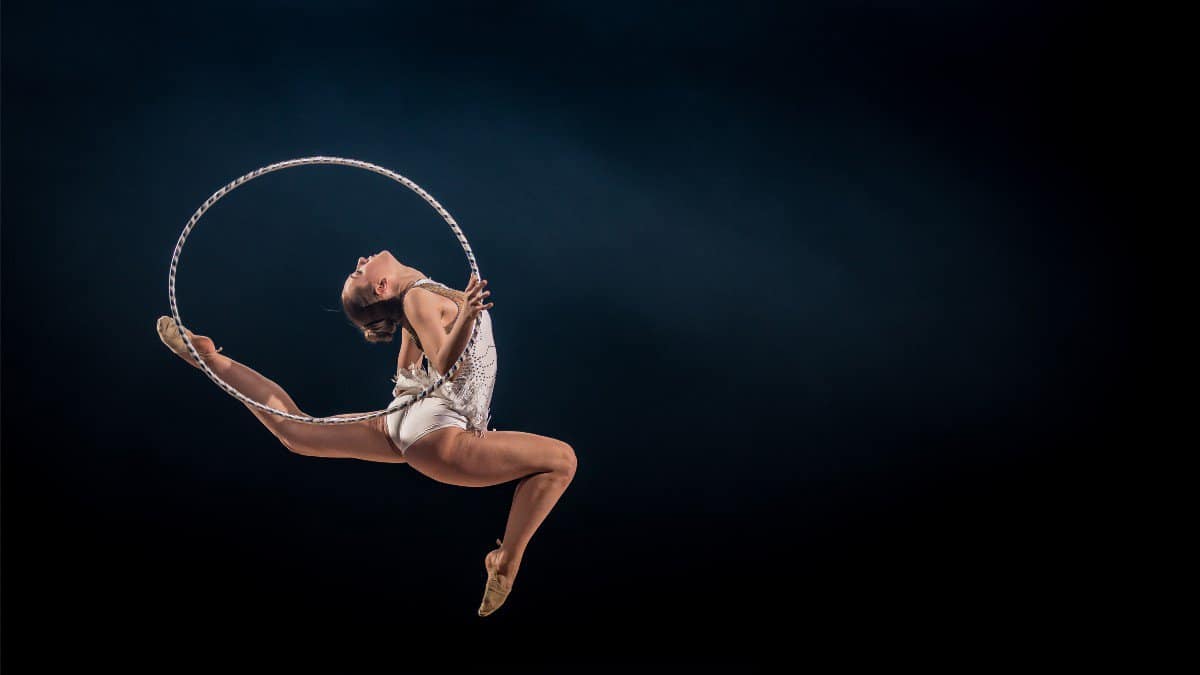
column 832, row 300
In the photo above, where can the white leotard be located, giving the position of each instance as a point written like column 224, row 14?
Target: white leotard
column 470, row 392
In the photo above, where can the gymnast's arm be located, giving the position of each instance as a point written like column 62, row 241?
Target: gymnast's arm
column 410, row 353
column 424, row 312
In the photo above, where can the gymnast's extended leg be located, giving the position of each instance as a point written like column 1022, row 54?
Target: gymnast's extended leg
column 361, row 440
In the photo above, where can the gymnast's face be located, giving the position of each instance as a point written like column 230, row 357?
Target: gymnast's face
column 373, row 274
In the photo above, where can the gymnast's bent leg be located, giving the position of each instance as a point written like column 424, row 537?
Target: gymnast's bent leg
column 366, row 440
column 544, row 466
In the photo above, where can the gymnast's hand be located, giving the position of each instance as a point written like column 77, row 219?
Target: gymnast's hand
column 476, row 296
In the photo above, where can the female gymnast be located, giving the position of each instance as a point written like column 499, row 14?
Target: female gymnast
column 444, row 435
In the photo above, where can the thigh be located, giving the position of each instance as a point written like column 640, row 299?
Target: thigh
column 460, row 457
column 366, row 440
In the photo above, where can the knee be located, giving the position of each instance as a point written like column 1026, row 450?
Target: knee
column 565, row 461
column 297, row 438
column 299, row 449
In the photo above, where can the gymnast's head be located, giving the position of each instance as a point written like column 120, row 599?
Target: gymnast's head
column 371, row 296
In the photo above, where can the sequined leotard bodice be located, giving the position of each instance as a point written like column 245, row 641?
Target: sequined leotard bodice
column 470, row 392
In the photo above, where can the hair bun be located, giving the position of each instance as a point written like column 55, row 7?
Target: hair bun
column 380, row 331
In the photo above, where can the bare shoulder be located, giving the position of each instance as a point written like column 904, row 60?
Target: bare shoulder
column 422, row 305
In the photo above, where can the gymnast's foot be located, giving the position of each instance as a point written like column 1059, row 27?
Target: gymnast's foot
column 500, row 575
column 169, row 334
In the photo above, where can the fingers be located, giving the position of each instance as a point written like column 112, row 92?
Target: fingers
column 475, row 286
column 476, row 294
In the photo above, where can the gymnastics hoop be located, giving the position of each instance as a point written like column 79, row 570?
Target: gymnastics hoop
column 279, row 166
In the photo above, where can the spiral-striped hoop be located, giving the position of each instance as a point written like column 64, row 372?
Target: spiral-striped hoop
column 348, row 419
